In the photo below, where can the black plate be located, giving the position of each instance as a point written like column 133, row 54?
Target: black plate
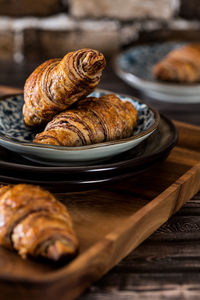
column 16, row 169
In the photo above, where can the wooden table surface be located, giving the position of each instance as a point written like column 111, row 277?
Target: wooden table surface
column 166, row 265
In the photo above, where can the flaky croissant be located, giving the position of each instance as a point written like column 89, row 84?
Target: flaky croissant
column 180, row 65
column 92, row 120
column 56, row 84
column 34, row 223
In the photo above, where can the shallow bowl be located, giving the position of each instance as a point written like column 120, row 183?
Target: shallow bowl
column 16, row 137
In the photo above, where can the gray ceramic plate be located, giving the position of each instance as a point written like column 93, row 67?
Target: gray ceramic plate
column 135, row 67
column 16, row 137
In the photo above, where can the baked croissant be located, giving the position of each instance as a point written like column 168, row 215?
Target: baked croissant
column 92, row 120
column 34, row 223
column 56, row 84
column 180, row 65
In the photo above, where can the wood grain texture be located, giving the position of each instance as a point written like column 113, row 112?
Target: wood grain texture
column 165, row 266
column 9, row 90
column 110, row 223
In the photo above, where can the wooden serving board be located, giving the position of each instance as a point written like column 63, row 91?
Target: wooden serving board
column 110, row 223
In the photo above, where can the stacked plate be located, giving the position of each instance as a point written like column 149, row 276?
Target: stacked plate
column 64, row 169
column 16, row 169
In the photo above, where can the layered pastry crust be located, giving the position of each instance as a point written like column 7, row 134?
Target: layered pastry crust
column 34, row 223
column 57, row 84
column 92, row 120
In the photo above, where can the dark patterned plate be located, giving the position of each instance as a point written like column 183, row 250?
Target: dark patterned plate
column 15, row 169
column 15, row 136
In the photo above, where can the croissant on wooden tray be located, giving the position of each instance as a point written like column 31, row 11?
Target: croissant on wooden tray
column 92, row 120
column 34, row 223
column 180, row 65
column 56, row 84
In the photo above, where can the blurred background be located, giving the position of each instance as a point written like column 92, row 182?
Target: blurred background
column 32, row 31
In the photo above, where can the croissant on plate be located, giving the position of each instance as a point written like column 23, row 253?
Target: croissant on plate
column 180, row 65
column 92, row 120
column 56, row 84
column 34, row 223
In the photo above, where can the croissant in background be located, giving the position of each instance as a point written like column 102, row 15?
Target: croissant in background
column 92, row 120
column 180, row 65
column 56, row 84
column 34, row 223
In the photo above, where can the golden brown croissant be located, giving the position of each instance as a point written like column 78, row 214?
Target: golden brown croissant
column 56, row 84
column 180, row 65
column 34, row 223
column 92, row 120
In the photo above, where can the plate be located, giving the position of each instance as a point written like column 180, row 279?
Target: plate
column 16, row 137
column 135, row 64
column 15, row 169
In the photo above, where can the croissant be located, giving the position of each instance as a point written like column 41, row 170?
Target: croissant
column 56, row 84
column 34, row 223
column 92, row 120
column 180, row 65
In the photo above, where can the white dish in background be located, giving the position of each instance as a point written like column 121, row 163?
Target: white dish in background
column 16, row 137
column 135, row 64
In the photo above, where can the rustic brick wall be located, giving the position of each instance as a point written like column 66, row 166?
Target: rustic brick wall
column 39, row 29
column 123, row 10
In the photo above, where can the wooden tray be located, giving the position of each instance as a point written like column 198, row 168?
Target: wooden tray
column 110, row 223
